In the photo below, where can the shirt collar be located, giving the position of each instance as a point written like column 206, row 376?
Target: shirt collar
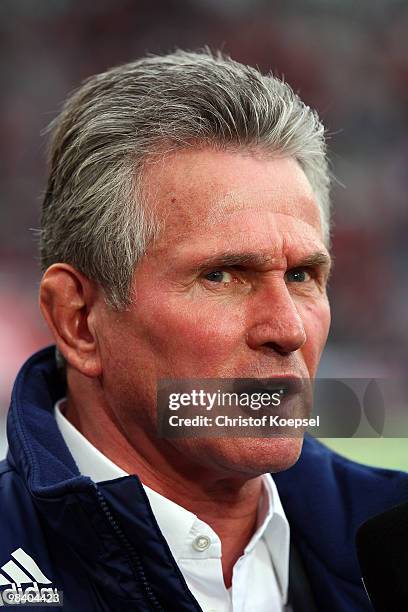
column 276, row 532
column 90, row 461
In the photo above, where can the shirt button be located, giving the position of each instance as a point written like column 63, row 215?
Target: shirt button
column 201, row 543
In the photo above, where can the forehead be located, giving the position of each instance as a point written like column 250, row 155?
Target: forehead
column 211, row 196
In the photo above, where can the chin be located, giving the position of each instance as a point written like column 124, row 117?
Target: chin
column 249, row 457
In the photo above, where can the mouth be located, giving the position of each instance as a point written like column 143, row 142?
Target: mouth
column 289, row 396
column 284, row 386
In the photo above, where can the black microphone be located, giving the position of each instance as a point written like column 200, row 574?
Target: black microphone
column 382, row 550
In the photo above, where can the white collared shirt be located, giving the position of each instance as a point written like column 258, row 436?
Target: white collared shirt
column 260, row 576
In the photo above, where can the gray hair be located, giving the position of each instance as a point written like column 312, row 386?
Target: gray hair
column 94, row 216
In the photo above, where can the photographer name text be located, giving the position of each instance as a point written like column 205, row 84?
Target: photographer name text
column 251, row 421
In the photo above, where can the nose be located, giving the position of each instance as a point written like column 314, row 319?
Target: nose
column 276, row 323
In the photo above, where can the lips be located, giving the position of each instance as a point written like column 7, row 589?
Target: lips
column 286, row 386
column 295, row 397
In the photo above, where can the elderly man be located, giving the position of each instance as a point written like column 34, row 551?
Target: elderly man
column 185, row 233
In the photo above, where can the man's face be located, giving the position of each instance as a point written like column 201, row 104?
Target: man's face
column 235, row 286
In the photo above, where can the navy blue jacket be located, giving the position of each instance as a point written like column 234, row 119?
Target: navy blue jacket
column 101, row 546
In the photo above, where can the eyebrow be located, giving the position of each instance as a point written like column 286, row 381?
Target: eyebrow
column 229, row 259
column 316, row 259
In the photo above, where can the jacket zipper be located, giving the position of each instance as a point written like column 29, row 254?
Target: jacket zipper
column 134, row 557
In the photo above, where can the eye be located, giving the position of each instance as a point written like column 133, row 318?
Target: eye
column 297, row 275
column 218, row 276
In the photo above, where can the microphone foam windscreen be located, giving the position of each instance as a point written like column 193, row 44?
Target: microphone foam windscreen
column 382, row 550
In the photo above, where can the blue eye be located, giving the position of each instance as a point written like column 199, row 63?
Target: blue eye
column 218, row 276
column 297, row 276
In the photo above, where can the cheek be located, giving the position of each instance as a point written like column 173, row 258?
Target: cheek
column 316, row 320
column 193, row 332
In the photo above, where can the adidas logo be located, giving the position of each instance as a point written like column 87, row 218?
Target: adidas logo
column 16, row 572
column 23, row 570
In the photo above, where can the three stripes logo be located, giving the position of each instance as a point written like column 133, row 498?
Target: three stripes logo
column 21, row 576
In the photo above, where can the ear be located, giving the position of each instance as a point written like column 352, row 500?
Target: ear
column 67, row 302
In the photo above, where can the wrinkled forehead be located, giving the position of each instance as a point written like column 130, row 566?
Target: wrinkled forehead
column 213, row 194
column 276, row 207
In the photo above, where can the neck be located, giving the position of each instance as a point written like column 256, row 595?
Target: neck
column 227, row 503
